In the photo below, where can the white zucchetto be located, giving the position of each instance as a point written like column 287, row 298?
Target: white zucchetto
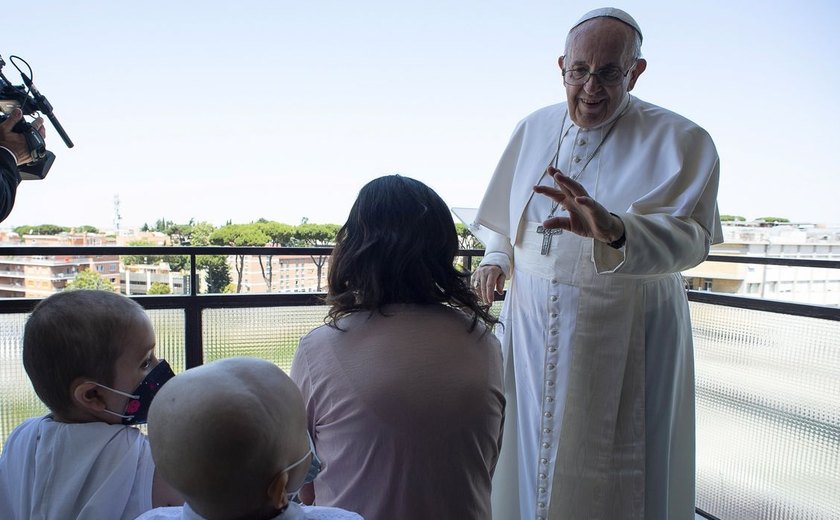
column 611, row 12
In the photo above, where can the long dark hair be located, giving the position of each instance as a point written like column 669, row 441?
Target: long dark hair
column 398, row 246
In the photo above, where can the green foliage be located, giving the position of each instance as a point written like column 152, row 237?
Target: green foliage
column 138, row 259
column 308, row 234
column 239, row 235
column 42, row 229
column 732, row 218
column 314, row 235
column 217, row 272
column 162, row 224
column 199, row 233
column 466, row 240
column 88, row 279
column 260, row 233
column 773, row 219
column 159, row 288
column 278, row 234
column 87, row 229
column 176, row 263
column 177, row 233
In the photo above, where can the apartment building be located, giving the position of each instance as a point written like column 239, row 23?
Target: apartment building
column 757, row 239
column 281, row 273
column 38, row 276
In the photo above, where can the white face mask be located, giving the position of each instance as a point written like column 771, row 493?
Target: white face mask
column 314, row 467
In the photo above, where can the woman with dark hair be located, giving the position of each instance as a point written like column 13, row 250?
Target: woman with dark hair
column 403, row 385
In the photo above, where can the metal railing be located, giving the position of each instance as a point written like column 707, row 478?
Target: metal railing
column 722, row 331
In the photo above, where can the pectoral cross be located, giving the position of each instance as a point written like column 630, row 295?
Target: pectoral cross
column 547, row 234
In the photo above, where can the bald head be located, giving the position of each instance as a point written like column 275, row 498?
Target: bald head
column 220, row 434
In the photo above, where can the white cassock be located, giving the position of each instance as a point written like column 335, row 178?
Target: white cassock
column 599, row 366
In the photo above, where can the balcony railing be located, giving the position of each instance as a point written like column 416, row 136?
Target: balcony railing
column 767, row 374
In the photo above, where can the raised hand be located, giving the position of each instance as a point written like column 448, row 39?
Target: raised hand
column 586, row 217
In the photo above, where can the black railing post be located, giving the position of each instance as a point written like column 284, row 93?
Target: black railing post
column 193, row 337
column 193, row 276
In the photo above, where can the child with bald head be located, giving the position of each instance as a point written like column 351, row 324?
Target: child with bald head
column 231, row 437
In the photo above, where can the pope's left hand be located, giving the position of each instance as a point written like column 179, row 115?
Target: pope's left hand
column 587, row 217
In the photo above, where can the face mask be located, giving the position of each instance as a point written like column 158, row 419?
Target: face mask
column 137, row 408
column 314, row 465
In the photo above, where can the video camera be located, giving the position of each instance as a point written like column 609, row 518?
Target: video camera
column 31, row 102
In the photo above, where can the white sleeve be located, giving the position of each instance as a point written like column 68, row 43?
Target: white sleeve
column 498, row 252
column 655, row 244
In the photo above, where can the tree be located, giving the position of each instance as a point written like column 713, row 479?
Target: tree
column 239, row 235
column 140, row 259
column 199, row 233
column 42, row 229
column 779, row 220
column 88, row 279
column 217, row 272
column 279, row 235
column 177, row 263
column 313, row 235
column 87, row 229
column 159, row 288
column 732, row 218
column 466, row 240
column 162, row 224
column 177, row 233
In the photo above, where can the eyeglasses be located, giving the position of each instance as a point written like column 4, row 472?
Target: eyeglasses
column 608, row 76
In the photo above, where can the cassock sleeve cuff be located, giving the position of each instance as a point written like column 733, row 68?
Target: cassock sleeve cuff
column 500, row 259
column 608, row 257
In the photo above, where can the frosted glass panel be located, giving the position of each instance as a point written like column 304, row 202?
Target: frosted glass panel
column 270, row 333
column 768, row 397
column 169, row 331
column 768, row 414
column 17, row 398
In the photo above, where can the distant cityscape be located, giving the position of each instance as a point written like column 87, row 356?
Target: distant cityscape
column 38, row 276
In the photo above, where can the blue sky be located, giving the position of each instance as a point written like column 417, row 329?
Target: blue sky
column 281, row 110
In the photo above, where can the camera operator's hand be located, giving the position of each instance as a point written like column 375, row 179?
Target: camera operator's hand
column 15, row 142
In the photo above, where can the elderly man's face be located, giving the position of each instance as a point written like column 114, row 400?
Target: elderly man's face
column 597, row 46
